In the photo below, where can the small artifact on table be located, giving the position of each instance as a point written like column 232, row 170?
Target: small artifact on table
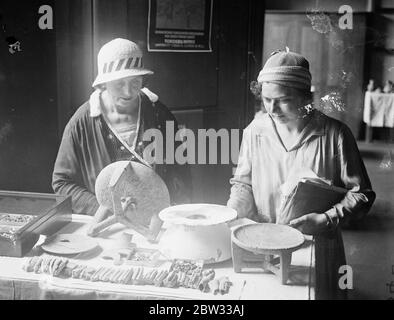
column 214, row 286
column 211, row 285
column 130, row 254
column 158, row 282
column 124, row 240
column 207, row 276
column 144, row 257
column 171, row 280
column 118, row 259
column 45, row 264
column 187, row 274
column 186, row 265
column 224, row 285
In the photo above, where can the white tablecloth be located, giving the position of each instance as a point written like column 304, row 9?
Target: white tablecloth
column 15, row 283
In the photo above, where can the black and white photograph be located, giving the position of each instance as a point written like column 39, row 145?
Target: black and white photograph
column 208, row 152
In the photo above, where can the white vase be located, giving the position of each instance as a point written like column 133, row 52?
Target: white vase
column 197, row 232
column 209, row 243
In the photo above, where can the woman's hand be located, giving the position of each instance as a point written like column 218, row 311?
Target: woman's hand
column 311, row 223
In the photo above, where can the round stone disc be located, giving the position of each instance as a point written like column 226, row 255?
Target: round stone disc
column 68, row 244
column 267, row 236
column 138, row 182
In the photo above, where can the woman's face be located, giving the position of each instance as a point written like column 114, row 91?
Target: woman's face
column 282, row 103
column 123, row 92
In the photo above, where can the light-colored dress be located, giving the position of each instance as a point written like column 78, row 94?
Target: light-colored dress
column 327, row 147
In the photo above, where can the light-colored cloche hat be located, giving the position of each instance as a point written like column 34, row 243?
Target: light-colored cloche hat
column 117, row 59
column 288, row 69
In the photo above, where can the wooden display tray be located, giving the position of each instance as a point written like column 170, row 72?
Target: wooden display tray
column 52, row 213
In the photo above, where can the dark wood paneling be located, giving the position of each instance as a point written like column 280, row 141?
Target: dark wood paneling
column 74, row 52
column 232, row 31
column 109, row 22
column 380, row 60
column 28, row 103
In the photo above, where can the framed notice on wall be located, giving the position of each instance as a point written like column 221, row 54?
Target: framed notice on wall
column 180, row 25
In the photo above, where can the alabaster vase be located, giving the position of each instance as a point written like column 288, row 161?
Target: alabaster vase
column 197, row 232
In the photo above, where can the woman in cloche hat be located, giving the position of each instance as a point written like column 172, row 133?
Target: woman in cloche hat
column 110, row 126
column 290, row 138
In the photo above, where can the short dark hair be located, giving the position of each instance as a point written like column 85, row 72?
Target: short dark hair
column 255, row 88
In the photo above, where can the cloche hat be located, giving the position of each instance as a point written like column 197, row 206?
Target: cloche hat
column 288, row 69
column 117, row 59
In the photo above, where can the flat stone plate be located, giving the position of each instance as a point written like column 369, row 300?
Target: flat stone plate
column 68, row 244
column 198, row 214
column 267, row 236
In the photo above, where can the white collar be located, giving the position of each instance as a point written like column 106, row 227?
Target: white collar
column 94, row 101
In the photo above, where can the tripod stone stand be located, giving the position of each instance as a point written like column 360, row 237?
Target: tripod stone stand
column 270, row 245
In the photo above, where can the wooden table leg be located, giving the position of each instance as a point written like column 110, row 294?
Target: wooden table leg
column 285, row 260
column 236, row 253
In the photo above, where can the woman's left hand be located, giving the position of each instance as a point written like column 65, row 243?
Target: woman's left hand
column 311, row 223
